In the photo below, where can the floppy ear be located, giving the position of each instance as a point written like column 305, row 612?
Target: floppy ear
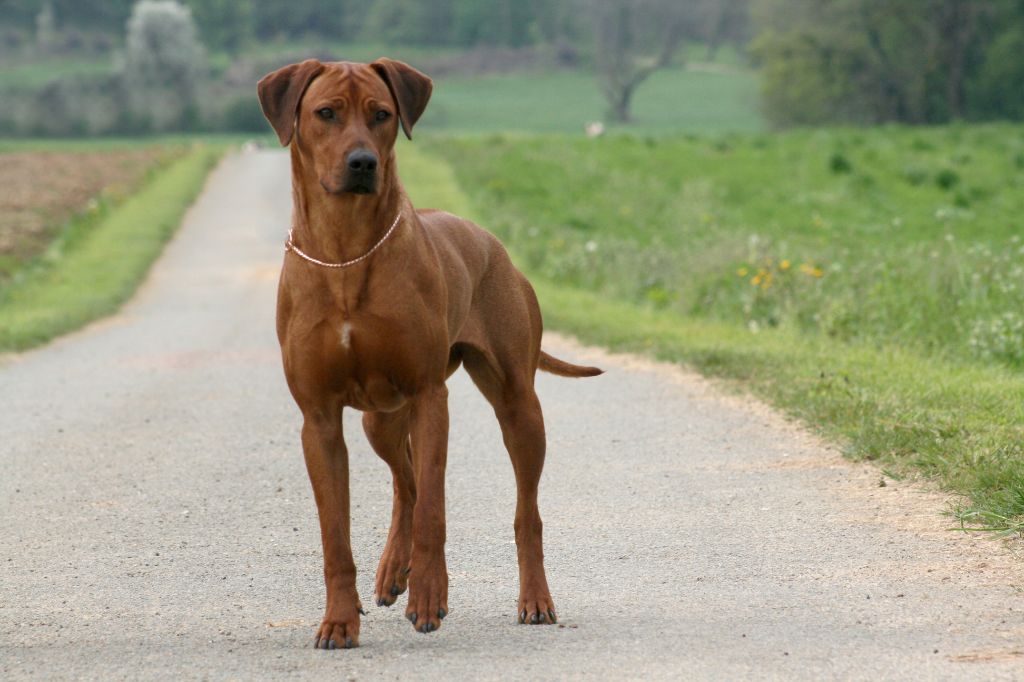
column 410, row 88
column 280, row 93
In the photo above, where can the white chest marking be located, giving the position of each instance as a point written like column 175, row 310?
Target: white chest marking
column 346, row 334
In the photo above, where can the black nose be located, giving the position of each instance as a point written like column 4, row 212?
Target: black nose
column 362, row 161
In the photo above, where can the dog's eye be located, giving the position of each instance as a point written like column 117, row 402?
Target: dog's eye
column 326, row 113
column 382, row 115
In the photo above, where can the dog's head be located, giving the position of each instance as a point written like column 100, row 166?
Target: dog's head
column 344, row 117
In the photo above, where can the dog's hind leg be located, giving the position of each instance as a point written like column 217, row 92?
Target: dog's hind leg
column 388, row 433
column 519, row 413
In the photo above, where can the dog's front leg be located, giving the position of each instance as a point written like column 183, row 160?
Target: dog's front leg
column 428, row 580
column 327, row 463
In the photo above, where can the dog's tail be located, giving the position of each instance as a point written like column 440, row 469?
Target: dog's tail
column 553, row 365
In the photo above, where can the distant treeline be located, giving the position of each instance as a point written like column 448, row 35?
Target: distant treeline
column 821, row 61
column 873, row 61
column 230, row 24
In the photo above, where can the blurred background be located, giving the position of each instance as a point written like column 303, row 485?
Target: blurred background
column 103, row 67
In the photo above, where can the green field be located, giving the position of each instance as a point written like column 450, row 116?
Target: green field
column 870, row 282
column 563, row 101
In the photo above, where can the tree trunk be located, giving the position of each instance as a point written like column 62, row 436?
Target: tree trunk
column 622, row 102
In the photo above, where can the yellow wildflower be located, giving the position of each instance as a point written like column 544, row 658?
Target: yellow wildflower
column 784, row 265
column 742, row 272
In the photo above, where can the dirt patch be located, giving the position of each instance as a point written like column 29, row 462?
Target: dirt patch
column 43, row 189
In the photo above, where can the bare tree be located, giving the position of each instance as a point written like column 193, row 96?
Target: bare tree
column 634, row 38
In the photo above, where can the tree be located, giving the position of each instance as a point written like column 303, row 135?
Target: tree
column 634, row 38
column 224, row 24
column 164, row 64
column 871, row 61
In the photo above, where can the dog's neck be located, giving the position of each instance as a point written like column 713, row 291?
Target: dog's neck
column 340, row 227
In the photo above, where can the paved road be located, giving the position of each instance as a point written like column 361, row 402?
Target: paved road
column 157, row 521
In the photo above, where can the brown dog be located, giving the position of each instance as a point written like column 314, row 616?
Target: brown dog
column 378, row 305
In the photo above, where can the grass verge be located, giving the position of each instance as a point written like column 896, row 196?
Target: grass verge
column 959, row 423
column 101, row 256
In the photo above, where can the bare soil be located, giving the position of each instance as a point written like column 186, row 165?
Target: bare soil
column 42, row 190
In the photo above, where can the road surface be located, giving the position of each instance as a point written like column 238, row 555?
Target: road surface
column 158, row 523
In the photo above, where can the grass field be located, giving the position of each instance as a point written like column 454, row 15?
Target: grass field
column 892, row 236
column 868, row 282
column 96, row 261
column 563, row 101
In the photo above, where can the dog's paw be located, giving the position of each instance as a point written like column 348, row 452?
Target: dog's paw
column 428, row 599
column 338, row 634
column 392, row 578
column 536, row 610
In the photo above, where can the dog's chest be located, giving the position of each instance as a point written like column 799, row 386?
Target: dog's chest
column 369, row 362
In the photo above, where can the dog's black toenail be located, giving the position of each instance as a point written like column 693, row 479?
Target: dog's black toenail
column 431, row 627
column 412, row 618
column 381, row 601
column 522, row 616
column 541, row 617
column 534, row 619
column 361, row 611
column 331, row 645
column 316, row 643
column 395, row 591
column 441, row 613
column 348, row 642
column 551, row 615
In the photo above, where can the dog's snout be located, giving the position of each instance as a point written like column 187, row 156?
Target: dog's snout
column 362, row 161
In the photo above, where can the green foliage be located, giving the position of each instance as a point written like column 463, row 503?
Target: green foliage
column 243, row 114
column 76, row 280
column 872, row 61
column 224, row 24
column 998, row 91
column 762, row 232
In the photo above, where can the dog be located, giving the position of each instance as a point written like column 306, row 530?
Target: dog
column 378, row 304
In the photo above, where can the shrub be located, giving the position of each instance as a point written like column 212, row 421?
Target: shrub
column 164, row 63
column 243, row 114
column 839, row 164
column 947, row 178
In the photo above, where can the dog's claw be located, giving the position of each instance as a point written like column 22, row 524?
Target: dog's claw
column 348, row 642
column 331, row 644
column 441, row 613
column 316, row 643
column 534, row 619
column 361, row 611
column 395, row 591
column 522, row 616
column 551, row 615
column 412, row 618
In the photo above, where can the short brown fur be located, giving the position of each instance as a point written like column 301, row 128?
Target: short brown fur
column 383, row 335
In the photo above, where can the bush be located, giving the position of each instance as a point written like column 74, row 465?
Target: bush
column 839, row 164
column 243, row 114
column 164, row 64
column 947, row 178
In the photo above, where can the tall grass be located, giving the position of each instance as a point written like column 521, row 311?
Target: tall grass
column 896, row 236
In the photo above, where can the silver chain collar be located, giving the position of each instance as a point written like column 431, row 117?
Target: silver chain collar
column 290, row 246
